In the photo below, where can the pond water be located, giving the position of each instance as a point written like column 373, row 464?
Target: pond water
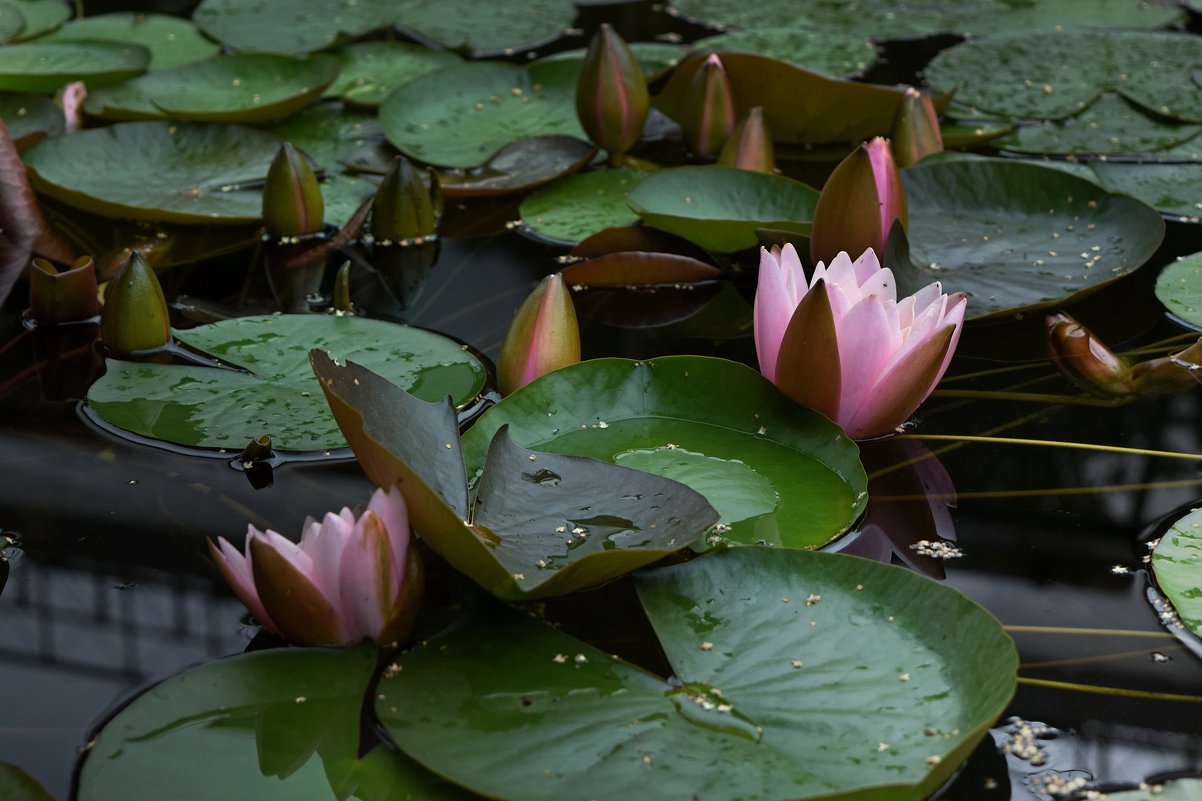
column 108, row 587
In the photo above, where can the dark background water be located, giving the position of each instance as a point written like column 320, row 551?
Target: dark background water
column 110, row 589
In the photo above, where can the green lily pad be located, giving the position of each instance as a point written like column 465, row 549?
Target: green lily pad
column 12, row 21
column 826, row 52
column 328, row 132
column 801, row 676
column 17, row 785
column 460, row 116
column 245, row 87
column 655, row 58
column 166, row 172
column 577, row 207
column 520, row 165
column 371, row 70
column 719, row 208
column 172, row 41
column 1179, row 288
column 1172, row 790
column 46, row 67
column 892, row 19
column 40, row 17
column 539, row 525
column 803, row 106
column 274, row 392
column 1169, row 188
column 281, row 725
column 1110, row 125
column 1177, row 565
column 30, row 117
column 1017, row 236
column 1051, row 76
column 707, row 422
column 305, row 26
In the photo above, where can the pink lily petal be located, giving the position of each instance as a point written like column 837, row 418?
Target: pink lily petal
column 866, row 343
column 771, row 312
column 364, row 579
column 900, row 388
column 237, row 571
column 390, row 507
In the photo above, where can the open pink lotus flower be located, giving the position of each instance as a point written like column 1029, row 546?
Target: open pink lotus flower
column 347, row 580
column 845, row 346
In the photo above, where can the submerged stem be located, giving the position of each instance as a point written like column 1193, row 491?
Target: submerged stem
column 1078, row 630
column 1095, row 690
column 1083, row 446
column 1032, row 397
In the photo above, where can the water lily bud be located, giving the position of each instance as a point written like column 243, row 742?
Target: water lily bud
column 348, row 579
column 916, row 133
column 844, row 345
column 858, row 204
column 135, row 311
column 71, row 98
column 750, row 146
column 1084, row 359
column 63, row 296
column 543, row 336
column 611, row 94
column 292, row 204
column 403, row 208
column 711, row 119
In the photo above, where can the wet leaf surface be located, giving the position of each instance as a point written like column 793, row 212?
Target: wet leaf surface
column 580, row 205
column 827, row 52
column 171, row 41
column 762, row 645
column 271, row 389
column 1177, row 564
column 47, row 67
column 777, row 473
column 1179, row 288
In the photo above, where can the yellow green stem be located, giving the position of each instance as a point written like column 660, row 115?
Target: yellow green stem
column 1099, row 632
column 1031, row 397
column 1095, row 690
column 1052, row 443
column 1044, row 491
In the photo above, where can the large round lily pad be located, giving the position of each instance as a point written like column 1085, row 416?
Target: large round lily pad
column 719, row 208
column 371, row 70
column 278, row 725
column 577, row 207
column 1179, row 288
column 891, row 19
column 1051, row 76
column 777, row 473
column 29, row 117
column 458, row 117
column 305, row 26
column 245, row 87
column 171, row 40
column 1017, row 236
column 46, row 67
column 1177, row 564
column 38, row 17
column 800, row 676
column 187, row 172
column 272, row 390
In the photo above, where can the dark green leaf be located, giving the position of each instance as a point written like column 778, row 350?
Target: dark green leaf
column 274, row 392
column 1109, row 125
column 1017, row 236
column 823, row 51
column 17, row 785
column 371, row 70
column 519, row 165
column 40, row 16
column 805, row 675
column 187, row 173
column 246, row 87
column 270, row 725
column 171, row 40
column 462, row 115
column 30, row 117
column 775, row 472
column 541, row 524
column 46, row 67
column 581, row 205
column 719, row 208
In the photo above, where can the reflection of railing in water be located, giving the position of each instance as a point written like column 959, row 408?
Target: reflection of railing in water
column 102, row 623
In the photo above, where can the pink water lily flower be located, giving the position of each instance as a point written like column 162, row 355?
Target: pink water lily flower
column 348, row 579
column 844, row 345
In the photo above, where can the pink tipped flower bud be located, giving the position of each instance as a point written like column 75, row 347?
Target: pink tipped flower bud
column 843, row 344
column 63, row 296
column 135, row 312
column 543, row 336
column 916, row 132
column 292, row 204
column 611, row 95
column 750, row 146
column 349, row 578
column 858, row 204
column 711, row 118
